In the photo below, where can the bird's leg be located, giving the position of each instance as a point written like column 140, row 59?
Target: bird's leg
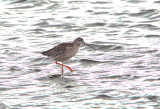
column 64, row 65
column 68, row 68
column 60, row 64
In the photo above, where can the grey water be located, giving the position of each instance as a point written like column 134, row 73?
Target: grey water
column 122, row 73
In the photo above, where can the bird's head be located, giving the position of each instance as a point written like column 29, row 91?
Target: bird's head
column 79, row 40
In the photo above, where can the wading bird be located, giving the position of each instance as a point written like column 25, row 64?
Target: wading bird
column 65, row 51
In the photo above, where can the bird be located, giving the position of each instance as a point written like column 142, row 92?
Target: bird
column 65, row 51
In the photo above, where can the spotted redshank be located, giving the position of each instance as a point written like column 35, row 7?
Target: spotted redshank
column 65, row 51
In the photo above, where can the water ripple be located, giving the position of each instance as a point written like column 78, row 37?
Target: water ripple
column 123, row 70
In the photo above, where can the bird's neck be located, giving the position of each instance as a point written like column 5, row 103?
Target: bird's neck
column 76, row 44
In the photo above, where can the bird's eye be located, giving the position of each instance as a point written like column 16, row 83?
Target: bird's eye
column 81, row 39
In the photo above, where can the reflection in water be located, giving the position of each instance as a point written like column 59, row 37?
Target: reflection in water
column 59, row 82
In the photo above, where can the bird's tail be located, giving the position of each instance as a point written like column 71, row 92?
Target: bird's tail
column 44, row 53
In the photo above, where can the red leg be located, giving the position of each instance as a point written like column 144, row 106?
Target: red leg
column 68, row 68
column 64, row 65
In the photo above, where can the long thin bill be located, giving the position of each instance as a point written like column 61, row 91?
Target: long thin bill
column 88, row 45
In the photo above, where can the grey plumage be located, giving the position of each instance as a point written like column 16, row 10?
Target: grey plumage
column 58, row 50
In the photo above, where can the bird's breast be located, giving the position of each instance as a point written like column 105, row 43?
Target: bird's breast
column 70, row 52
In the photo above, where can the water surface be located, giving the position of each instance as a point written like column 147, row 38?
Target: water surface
column 122, row 73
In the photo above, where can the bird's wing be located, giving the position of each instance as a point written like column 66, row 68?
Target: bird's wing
column 58, row 50
column 66, row 44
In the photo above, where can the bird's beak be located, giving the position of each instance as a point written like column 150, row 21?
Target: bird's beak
column 88, row 45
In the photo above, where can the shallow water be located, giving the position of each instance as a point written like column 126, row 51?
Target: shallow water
column 123, row 71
